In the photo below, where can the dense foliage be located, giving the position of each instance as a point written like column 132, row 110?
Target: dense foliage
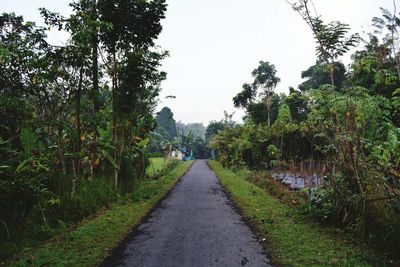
column 77, row 126
column 170, row 137
column 198, row 129
column 344, row 119
column 166, row 124
column 76, row 119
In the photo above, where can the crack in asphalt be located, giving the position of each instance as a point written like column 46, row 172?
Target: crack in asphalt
column 195, row 225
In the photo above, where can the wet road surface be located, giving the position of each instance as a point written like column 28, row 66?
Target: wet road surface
column 196, row 225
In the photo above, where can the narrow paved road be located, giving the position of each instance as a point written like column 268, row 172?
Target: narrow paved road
column 195, row 225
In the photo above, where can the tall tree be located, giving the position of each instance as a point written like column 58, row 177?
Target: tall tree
column 331, row 38
column 166, row 123
column 244, row 98
column 134, row 25
column 389, row 26
column 283, row 124
column 265, row 80
column 78, row 54
column 264, row 84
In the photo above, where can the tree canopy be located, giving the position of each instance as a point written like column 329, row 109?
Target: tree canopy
column 166, row 123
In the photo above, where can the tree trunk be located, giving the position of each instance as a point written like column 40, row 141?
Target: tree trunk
column 398, row 70
column 61, row 148
column 78, row 124
column 268, row 104
column 392, row 31
column 397, row 64
column 115, row 123
column 95, row 63
column 76, row 163
column 95, row 89
column 119, row 151
column 332, row 73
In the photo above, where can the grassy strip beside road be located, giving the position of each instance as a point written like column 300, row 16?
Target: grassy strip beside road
column 156, row 165
column 93, row 239
column 290, row 240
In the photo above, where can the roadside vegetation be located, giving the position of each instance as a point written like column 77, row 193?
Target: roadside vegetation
column 338, row 131
column 155, row 166
column 160, row 166
column 77, row 118
column 83, row 152
column 87, row 243
column 291, row 239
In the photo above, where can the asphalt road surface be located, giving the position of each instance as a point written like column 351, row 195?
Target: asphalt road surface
column 196, row 225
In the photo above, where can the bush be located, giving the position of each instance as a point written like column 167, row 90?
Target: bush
column 320, row 204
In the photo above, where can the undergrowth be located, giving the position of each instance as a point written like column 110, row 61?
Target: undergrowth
column 108, row 209
column 291, row 239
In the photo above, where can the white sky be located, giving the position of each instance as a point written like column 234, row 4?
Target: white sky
column 215, row 44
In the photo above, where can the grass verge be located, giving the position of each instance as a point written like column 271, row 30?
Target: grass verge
column 93, row 239
column 156, row 165
column 289, row 239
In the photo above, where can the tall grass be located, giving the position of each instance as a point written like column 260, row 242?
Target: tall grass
column 156, row 165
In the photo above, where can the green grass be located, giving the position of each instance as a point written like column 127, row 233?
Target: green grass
column 93, row 239
column 156, row 165
column 290, row 239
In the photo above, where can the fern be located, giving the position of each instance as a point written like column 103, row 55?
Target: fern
column 396, row 99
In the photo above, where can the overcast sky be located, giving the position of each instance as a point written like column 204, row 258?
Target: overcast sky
column 215, row 44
